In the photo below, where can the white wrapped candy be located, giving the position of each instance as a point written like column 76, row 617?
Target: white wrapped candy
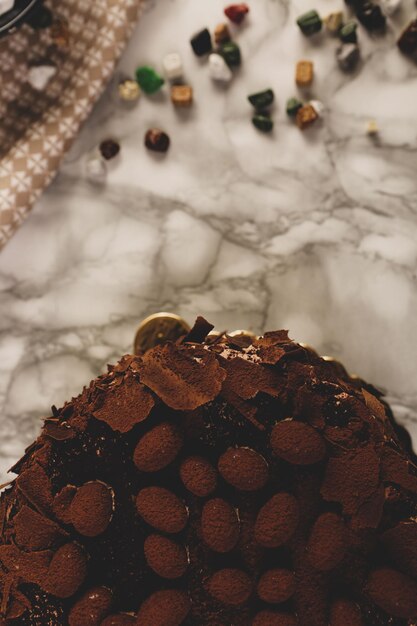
column 318, row 107
column 5, row 6
column 40, row 75
column 172, row 66
column 218, row 68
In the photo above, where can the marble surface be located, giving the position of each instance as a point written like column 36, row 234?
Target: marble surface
column 314, row 231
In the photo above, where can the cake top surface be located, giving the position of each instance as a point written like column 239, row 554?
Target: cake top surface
column 218, row 481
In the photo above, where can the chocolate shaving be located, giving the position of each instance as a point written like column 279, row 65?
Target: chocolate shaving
column 184, row 379
column 199, row 331
column 35, row 485
column 370, row 512
column 246, row 379
column 242, row 406
column 395, row 469
column 58, row 431
column 34, row 531
column 271, row 349
column 32, row 567
column 124, row 407
column 374, row 405
column 352, row 478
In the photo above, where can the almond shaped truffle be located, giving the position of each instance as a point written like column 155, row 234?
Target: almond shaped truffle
column 175, row 490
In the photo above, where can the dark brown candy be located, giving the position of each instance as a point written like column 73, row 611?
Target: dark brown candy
column 67, row 571
column 297, row 443
column 276, row 586
column 232, row 587
column 166, row 557
column 327, row 545
column 163, row 608
column 33, row 531
column 162, row 509
column 158, row 447
column 345, row 613
column 407, row 43
column 109, row 148
column 157, row 140
column 393, row 592
column 401, row 543
column 198, row 476
column 91, row 508
column 219, row 525
column 121, row 619
column 91, row 608
column 277, row 520
column 270, row 618
column 244, row 469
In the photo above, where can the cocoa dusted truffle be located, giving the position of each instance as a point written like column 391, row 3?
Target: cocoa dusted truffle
column 215, row 480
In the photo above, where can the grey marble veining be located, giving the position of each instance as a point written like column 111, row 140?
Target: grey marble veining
column 314, row 231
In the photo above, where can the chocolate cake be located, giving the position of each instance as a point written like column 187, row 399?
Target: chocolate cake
column 217, row 481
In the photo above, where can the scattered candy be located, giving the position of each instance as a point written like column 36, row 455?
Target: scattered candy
column 309, row 23
column 370, row 16
column 407, row 42
column 182, row 95
column 172, row 65
column 218, row 68
column 236, row 12
column 60, row 34
column 293, row 105
column 41, row 18
column 96, row 169
column 109, row 148
column 156, row 140
column 333, row 22
column 40, row 75
column 149, row 80
column 372, row 128
column 348, row 56
column 230, row 51
column 129, row 90
column 348, row 32
column 262, row 99
column 306, row 116
column 222, row 33
column 304, row 73
column 390, row 7
column 318, row 106
column 201, row 43
column 5, row 6
column 263, row 122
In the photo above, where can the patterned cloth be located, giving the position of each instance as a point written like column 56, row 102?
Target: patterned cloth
column 37, row 128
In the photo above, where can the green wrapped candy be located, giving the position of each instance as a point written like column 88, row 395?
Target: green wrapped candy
column 149, row 80
column 310, row 23
column 293, row 104
column 261, row 99
column 230, row 52
column 263, row 122
column 348, row 32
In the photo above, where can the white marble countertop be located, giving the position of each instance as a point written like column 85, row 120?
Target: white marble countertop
column 314, row 231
